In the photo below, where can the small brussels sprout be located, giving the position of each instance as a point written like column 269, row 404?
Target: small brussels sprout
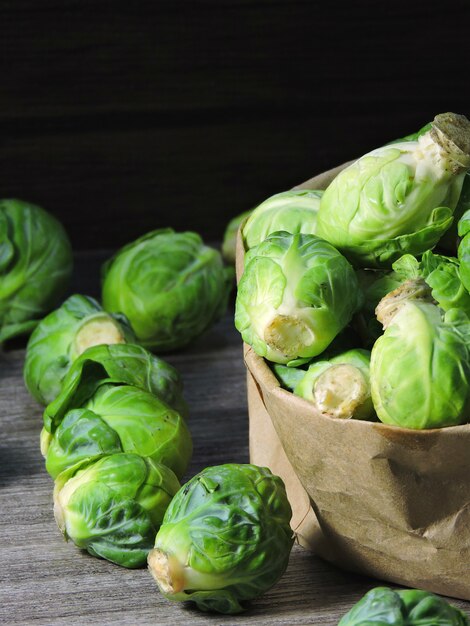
column 340, row 386
column 420, row 366
column 120, row 419
column 229, row 243
column 112, row 508
column 225, row 538
column 62, row 336
column 383, row 606
column 289, row 376
column 296, row 294
column 170, row 286
column 398, row 198
column 293, row 211
column 124, row 364
column 35, row 266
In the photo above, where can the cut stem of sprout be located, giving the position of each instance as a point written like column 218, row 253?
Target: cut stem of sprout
column 288, row 335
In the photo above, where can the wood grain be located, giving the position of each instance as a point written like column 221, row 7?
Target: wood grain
column 45, row 581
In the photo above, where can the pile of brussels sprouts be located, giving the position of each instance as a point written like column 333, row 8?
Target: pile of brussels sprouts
column 350, row 293
column 115, row 437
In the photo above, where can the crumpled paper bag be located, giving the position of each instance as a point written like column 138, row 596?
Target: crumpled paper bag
column 389, row 502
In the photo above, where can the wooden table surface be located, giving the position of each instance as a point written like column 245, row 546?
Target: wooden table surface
column 44, row 580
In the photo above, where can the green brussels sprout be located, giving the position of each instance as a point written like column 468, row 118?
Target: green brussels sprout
column 293, row 211
column 113, row 507
column 338, row 386
column 422, row 608
column 35, row 266
column 229, row 243
column 296, row 294
column 120, row 419
column 464, row 249
column 124, row 364
column 443, row 276
column 386, row 607
column 62, row 336
column 449, row 239
column 289, row 376
column 398, row 198
column 420, row 366
column 225, row 538
column 439, row 278
column 170, row 286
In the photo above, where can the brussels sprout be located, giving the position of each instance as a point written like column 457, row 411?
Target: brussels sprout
column 170, row 286
column 296, row 294
column 62, row 336
column 112, row 508
column 441, row 274
column 120, row 419
column 339, row 386
column 287, row 375
column 386, row 607
column 229, row 243
column 35, row 266
column 464, row 249
column 449, row 239
column 119, row 364
column 422, row 608
column 225, row 538
column 398, row 198
column 420, row 366
column 292, row 211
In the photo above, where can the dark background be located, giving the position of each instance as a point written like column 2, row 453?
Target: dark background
column 120, row 117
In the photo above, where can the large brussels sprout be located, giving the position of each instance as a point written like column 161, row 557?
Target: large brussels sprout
column 387, row 607
column 112, row 508
column 120, row 419
column 35, row 266
column 449, row 240
column 293, row 211
column 296, row 294
column 62, row 336
column 338, row 386
column 124, row 364
column 229, row 242
column 420, row 366
column 170, row 286
column 398, row 198
column 225, row 538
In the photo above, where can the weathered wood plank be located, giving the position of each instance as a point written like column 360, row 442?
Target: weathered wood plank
column 43, row 580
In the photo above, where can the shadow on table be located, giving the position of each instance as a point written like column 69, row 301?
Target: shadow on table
column 18, row 461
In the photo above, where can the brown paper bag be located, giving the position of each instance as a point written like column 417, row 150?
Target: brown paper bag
column 389, row 502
